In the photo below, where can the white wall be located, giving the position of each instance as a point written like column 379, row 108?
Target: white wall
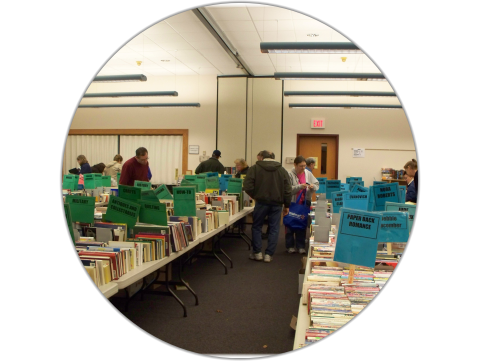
column 201, row 122
column 357, row 128
column 232, row 103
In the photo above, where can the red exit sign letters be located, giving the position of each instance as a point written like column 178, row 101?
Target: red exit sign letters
column 318, row 123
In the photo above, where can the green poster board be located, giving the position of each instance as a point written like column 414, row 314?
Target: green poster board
column 234, row 185
column 186, row 183
column 153, row 213
column 190, row 177
column 200, row 180
column 118, row 178
column 212, row 183
column 210, row 174
column 143, row 185
column 129, row 193
column 70, row 181
column 106, row 181
column 184, row 203
column 89, row 181
column 162, row 192
column 68, row 216
column 121, row 210
column 149, row 195
column 82, row 208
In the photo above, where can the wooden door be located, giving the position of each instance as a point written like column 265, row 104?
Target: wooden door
column 322, row 147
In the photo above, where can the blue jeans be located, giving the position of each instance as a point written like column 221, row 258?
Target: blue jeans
column 274, row 212
column 293, row 236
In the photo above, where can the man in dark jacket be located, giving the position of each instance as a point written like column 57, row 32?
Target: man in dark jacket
column 211, row 165
column 268, row 183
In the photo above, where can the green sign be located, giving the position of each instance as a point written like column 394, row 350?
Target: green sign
column 186, row 183
column 130, row 193
column 68, row 216
column 89, row 181
column 190, row 177
column 149, row 195
column 200, row 180
column 153, row 213
column 106, row 181
column 212, row 182
column 121, row 210
column 162, row 192
column 82, row 208
column 234, row 185
column 143, row 185
column 70, row 181
column 184, row 203
column 118, row 178
column 401, row 207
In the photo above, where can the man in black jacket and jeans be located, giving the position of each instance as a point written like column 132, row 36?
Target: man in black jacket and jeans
column 211, row 165
column 267, row 182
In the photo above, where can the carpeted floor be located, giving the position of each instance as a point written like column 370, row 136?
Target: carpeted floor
column 247, row 311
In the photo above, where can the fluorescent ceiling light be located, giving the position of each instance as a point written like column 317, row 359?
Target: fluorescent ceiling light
column 145, row 105
column 338, row 93
column 309, row 48
column 131, row 94
column 119, row 78
column 330, row 76
column 345, row 106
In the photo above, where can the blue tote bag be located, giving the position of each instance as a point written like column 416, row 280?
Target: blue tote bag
column 297, row 217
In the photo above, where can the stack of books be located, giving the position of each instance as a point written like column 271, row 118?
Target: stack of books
column 381, row 277
column 361, row 275
column 329, row 309
column 322, row 251
column 360, row 295
column 330, row 276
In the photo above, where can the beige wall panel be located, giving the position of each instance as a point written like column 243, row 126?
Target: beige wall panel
column 267, row 117
column 232, row 107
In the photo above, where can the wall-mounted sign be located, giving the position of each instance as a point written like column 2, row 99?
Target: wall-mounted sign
column 358, row 152
column 193, row 149
column 318, row 123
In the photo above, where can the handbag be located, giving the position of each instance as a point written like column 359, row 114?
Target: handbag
column 297, row 217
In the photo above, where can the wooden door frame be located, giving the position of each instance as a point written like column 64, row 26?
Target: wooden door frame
column 336, row 136
column 182, row 132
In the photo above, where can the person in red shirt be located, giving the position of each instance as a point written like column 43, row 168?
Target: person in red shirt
column 135, row 168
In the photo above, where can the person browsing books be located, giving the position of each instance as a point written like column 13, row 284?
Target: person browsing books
column 411, row 195
column 242, row 168
column 411, row 169
column 211, row 165
column 267, row 182
column 310, row 164
column 84, row 166
column 135, row 168
column 301, row 181
column 114, row 167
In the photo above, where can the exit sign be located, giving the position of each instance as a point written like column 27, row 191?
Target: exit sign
column 318, row 123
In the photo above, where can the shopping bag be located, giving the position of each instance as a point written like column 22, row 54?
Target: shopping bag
column 297, row 217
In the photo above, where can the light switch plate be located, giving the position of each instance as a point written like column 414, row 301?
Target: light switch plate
column 289, row 159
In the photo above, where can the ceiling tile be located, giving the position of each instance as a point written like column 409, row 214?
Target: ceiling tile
column 259, row 60
column 165, row 38
column 186, row 16
column 278, row 36
column 242, row 36
column 175, row 45
column 310, row 25
column 236, row 25
column 188, row 27
column 262, row 70
column 232, row 13
column 198, row 36
column 273, row 25
column 204, row 45
column 277, row 13
column 159, row 29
